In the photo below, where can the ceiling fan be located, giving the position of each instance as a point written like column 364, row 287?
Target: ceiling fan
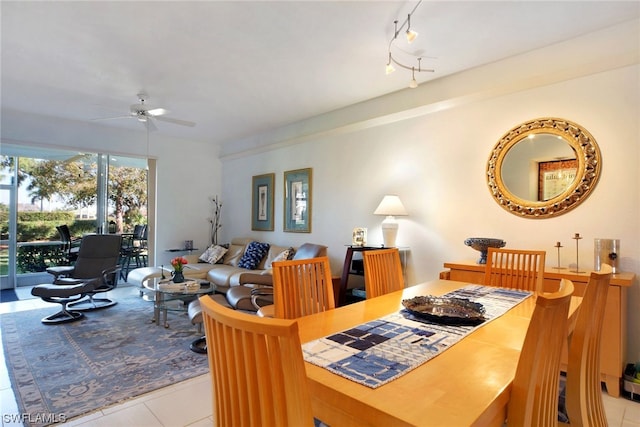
column 145, row 114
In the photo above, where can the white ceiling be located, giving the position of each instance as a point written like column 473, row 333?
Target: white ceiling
column 238, row 68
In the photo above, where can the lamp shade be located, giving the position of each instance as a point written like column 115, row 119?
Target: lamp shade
column 391, row 205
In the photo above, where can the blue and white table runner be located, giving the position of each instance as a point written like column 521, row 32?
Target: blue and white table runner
column 384, row 349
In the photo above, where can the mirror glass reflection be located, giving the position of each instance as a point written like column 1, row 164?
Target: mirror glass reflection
column 543, row 167
column 539, row 167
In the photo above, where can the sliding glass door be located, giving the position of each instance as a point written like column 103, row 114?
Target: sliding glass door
column 44, row 188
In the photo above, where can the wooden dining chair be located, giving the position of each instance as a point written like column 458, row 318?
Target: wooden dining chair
column 583, row 397
column 534, row 391
column 257, row 369
column 382, row 272
column 516, row 269
column 300, row 287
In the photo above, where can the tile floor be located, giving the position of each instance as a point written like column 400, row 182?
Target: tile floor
column 193, row 397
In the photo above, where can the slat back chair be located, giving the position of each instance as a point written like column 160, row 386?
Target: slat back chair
column 382, row 272
column 257, row 369
column 302, row 287
column 583, row 392
column 534, row 392
column 516, row 269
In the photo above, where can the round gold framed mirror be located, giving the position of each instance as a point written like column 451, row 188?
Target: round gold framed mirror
column 543, row 168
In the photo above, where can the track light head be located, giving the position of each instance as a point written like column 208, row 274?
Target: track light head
column 398, row 57
column 413, row 83
column 390, row 69
column 411, row 34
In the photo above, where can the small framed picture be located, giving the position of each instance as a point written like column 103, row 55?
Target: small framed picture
column 359, row 236
column 297, row 201
column 262, row 202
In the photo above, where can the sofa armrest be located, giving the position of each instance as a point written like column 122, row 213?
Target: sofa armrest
column 256, row 279
column 310, row 250
column 192, row 258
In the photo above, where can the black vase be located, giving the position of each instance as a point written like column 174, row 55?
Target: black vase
column 178, row 277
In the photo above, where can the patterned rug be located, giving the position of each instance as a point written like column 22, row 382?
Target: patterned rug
column 62, row 371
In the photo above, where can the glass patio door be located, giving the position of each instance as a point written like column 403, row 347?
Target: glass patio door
column 7, row 244
column 110, row 194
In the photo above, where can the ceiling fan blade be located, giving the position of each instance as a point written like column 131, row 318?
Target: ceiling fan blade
column 175, row 121
column 113, row 118
column 157, row 112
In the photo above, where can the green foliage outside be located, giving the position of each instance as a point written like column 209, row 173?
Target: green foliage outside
column 41, row 226
column 75, row 183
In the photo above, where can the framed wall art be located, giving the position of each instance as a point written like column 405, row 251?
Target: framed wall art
column 262, row 202
column 554, row 177
column 297, row 201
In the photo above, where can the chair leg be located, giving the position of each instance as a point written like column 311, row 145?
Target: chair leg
column 91, row 303
column 64, row 315
column 199, row 345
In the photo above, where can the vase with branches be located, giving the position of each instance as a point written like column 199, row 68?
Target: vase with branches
column 215, row 219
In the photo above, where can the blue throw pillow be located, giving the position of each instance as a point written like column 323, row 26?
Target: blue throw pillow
column 253, row 255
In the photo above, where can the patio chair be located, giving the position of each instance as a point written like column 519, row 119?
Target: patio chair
column 134, row 250
column 95, row 271
column 70, row 246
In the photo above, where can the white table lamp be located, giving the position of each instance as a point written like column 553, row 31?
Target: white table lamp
column 390, row 206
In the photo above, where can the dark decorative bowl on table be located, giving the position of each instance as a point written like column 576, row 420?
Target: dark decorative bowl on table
column 445, row 310
column 483, row 244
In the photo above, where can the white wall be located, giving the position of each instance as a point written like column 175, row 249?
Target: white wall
column 431, row 145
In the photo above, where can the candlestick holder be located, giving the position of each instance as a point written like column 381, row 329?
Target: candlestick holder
column 558, row 246
column 577, row 238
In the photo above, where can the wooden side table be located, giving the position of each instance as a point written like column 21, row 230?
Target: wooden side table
column 347, row 268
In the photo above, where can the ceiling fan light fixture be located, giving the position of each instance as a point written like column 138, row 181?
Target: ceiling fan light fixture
column 147, row 116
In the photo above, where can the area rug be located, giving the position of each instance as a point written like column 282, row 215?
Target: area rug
column 62, row 371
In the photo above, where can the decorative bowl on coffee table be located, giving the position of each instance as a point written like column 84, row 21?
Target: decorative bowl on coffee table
column 483, row 244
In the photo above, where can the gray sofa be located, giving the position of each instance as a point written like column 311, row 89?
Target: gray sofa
column 239, row 296
column 226, row 273
column 223, row 274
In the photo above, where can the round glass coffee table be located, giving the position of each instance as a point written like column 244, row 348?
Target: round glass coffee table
column 169, row 296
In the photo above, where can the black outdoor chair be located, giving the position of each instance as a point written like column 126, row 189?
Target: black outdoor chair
column 70, row 246
column 134, row 250
column 74, row 287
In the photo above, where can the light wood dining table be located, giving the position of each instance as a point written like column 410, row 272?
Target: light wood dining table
column 466, row 385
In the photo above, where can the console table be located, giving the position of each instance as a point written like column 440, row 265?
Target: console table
column 349, row 269
column 614, row 340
